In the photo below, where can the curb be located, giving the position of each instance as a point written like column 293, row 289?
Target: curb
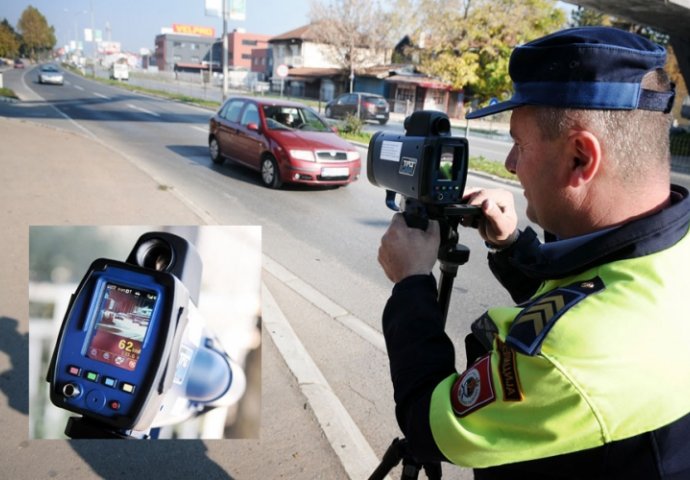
column 347, row 441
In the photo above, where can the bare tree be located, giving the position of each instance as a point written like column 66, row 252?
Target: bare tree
column 354, row 30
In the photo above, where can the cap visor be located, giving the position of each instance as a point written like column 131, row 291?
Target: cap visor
column 492, row 109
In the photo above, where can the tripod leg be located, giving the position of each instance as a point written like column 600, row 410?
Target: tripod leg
column 433, row 471
column 410, row 470
column 394, row 454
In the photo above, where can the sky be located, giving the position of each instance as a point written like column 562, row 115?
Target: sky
column 135, row 23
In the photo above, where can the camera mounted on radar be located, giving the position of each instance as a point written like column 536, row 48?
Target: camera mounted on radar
column 134, row 353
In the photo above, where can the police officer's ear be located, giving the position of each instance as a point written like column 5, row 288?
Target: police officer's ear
column 584, row 156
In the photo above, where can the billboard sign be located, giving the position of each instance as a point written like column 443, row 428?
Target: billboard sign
column 214, row 8
column 194, row 30
column 237, row 9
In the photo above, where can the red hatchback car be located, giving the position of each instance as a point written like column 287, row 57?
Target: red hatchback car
column 286, row 142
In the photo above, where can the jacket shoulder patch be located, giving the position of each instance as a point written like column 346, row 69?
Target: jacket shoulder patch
column 474, row 388
column 533, row 323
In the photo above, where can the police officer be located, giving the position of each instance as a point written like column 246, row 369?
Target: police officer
column 588, row 374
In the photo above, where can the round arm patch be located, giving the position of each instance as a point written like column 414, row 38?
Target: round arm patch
column 474, row 388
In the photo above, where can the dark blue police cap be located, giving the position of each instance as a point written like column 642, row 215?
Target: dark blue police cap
column 588, row 68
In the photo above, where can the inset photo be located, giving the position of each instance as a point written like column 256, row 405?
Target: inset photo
column 144, row 332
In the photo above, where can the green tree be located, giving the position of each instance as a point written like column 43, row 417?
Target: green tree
column 37, row 35
column 468, row 43
column 9, row 42
column 587, row 17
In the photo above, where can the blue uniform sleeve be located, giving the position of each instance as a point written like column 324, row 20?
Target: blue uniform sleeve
column 421, row 356
column 502, row 264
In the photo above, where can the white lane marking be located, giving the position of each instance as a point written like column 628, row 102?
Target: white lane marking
column 325, row 304
column 135, row 107
column 347, row 441
column 101, row 95
column 79, row 87
column 205, row 130
column 60, row 112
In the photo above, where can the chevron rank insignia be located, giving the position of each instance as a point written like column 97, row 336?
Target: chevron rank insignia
column 530, row 327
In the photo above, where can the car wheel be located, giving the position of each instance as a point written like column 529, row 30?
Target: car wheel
column 270, row 175
column 383, row 122
column 328, row 112
column 214, row 151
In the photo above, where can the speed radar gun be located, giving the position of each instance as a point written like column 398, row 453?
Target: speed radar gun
column 133, row 353
column 424, row 174
column 426, row 168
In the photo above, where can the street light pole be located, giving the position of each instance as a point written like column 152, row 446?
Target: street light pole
column 93, row 32
column 225, row 51
column 75, row 14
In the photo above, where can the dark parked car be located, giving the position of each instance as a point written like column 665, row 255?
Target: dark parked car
column 371, row 107
column 286, row 142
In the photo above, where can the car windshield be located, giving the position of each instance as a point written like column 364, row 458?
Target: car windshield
column 49, row 68
column 375, row 100
column 280, row 117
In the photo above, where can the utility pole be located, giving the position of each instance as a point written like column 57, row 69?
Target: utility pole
column 225, row 50
column 93, row 33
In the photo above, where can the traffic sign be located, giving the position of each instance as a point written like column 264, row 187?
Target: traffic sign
column 282, row 70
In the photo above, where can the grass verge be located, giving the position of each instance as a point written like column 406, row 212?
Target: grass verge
column 6, row 92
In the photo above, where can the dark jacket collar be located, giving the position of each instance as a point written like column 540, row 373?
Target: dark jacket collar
column 637, row 238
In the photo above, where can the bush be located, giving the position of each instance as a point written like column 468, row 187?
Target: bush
column 352, row 125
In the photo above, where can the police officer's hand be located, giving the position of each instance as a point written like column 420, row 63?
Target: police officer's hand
column 498, row 225
column 408, row 251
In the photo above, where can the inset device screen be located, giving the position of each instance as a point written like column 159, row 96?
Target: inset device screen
column 124, row 315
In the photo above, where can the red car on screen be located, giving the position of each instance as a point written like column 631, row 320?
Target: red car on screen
column 286, row 142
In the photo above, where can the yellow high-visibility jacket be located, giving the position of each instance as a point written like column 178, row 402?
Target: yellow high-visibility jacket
column 589, row 375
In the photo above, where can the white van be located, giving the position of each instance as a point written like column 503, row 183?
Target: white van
column 119, row 71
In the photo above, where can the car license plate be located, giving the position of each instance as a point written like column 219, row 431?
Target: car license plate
column 335, row 172
column 380, row 115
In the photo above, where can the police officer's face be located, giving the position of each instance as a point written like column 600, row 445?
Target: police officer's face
column 539, row 165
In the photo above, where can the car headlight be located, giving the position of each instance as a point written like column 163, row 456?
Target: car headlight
column 352, row 156
column 306, row 155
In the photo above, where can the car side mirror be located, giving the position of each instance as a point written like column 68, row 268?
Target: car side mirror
column 253, row 126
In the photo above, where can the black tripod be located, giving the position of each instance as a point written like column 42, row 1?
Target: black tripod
column 450, row 255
